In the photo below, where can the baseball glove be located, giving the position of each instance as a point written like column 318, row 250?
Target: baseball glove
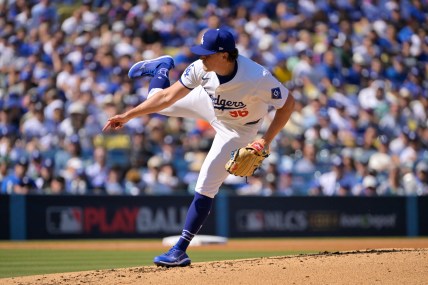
column 246, row 160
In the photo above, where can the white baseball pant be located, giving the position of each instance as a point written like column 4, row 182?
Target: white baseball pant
column 197, row 105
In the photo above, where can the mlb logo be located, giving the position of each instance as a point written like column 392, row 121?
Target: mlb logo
column 251, row 221
column 64, row 220
column 276, row 93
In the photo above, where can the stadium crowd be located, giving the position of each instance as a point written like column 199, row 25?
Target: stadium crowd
column 358, row 71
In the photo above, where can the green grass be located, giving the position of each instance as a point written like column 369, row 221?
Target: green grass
column 21, row 262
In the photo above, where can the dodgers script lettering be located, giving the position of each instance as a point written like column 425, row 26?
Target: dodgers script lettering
column 223, row 104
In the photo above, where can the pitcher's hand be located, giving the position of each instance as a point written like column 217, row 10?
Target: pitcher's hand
column 115, row 123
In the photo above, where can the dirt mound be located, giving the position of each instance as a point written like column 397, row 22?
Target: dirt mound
column 381, row 266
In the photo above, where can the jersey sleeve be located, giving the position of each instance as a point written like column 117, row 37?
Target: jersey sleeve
column 191, row 77
column 271, row 91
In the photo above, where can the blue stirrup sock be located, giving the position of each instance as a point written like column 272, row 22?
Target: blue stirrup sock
column 196, row 216
column 161, row 77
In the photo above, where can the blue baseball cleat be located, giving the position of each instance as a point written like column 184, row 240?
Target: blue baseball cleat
column 174, row 257
column 149, row 67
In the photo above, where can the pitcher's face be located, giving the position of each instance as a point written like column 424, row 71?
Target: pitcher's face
column 213, row 62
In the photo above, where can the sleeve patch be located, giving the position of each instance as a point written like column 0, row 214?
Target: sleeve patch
column 276, row 93
column 187, row 71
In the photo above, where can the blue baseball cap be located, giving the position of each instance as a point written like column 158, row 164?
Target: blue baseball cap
column 213, row 41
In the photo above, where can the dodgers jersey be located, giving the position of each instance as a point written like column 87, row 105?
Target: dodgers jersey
column 244, row 99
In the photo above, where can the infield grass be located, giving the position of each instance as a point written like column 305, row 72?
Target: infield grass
column 21, row 262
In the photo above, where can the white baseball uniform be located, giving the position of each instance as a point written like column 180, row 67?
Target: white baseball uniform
column 234, row 109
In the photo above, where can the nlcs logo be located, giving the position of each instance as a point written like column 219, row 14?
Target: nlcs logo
column 276, row 93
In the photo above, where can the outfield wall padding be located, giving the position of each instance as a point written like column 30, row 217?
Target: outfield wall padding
column 95, row 217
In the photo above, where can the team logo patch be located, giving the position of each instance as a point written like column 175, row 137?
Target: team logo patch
column 187, row 71
column 276, row 93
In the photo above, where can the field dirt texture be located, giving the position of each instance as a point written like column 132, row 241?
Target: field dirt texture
column 364, row 261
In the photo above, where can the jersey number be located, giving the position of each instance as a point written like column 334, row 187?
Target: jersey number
column 239, row 113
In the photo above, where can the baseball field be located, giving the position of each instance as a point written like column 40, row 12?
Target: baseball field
column 239, row 261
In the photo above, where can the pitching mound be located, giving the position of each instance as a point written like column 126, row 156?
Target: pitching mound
column 382, row 266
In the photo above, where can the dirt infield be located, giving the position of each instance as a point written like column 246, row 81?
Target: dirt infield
column 342, row 261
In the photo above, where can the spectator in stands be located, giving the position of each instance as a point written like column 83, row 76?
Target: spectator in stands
column 4, row 166
column 53, row 59
column 54, row 115
column 156, row 178
column 75, row 178
column 56, row 186
column 35, row 125
column 337, row 182
column 168, row 176
column 17, row 182
column 285, row 184
column 43, row 181
column 75, row 120
column 422, row 178
column 97, row 170
column 43, row 12
column 25, row 186
column 113, row 184
column 133, row 183
column 369, row 186
column 35, row 164
column 70, row 148
column 308, row 162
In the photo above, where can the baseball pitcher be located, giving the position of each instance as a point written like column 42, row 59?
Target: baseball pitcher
column 232, row 93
